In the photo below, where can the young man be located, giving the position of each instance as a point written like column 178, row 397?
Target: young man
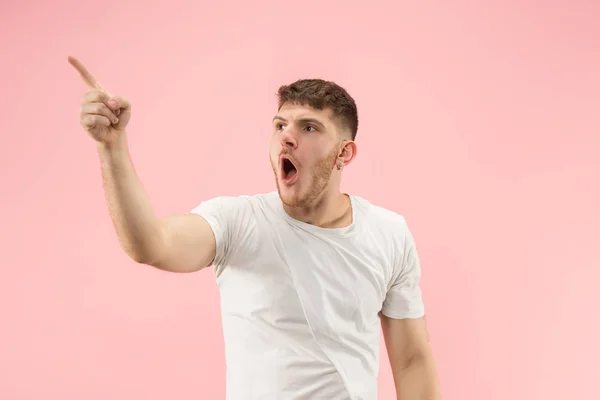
column 307, row 275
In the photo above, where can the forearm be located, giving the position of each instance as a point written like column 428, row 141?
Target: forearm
column 418, row 380
column 137, row 227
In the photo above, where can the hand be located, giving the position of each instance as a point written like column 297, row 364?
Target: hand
column 103, row 116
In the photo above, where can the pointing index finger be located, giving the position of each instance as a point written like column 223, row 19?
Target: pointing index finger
column 85, row 74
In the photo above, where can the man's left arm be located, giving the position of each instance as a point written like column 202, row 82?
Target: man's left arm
column 411, row 358
column 404, row 329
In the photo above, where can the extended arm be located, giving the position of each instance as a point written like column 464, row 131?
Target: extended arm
column 182, row 243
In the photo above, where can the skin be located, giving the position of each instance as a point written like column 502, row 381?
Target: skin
column 315, row 141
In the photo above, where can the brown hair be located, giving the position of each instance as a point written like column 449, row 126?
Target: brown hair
column 320, row 94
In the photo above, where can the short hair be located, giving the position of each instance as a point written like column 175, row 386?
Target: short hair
column 320, row 94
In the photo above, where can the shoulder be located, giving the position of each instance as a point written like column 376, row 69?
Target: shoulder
column 236, row 222
column 380, row 218
column 388, row 227
column 239, row 203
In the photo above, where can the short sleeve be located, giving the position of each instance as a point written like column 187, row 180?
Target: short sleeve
column 231, row 221
column 403, row 299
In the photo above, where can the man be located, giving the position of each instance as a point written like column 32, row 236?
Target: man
column 307, row 275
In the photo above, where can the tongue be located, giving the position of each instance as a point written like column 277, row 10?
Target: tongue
column 291, row 173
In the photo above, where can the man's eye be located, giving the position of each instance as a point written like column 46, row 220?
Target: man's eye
column 311, row 127
column 279, row 127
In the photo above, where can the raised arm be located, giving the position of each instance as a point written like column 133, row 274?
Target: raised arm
column 183, row 243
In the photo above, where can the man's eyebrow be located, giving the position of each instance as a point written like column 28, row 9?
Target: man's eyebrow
column 302, row 120
column 311, row 121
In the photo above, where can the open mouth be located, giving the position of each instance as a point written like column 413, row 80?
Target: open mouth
column 289, row 172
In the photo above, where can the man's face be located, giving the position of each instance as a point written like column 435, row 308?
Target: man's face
column 304, row 149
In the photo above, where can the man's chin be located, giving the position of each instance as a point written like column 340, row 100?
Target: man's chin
column 289, row 196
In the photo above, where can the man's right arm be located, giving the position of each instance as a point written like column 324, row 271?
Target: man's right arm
column 180, row 243
column 183, row 243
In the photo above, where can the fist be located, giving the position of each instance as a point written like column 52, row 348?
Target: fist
column 103, row 116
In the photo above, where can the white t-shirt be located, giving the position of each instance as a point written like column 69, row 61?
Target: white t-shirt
column 300, row 304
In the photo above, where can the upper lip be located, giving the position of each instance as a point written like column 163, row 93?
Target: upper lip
column 288, row 157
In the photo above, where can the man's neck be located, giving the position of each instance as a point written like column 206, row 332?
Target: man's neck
column 329, row 211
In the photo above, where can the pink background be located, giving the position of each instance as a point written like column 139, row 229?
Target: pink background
column 479, row 123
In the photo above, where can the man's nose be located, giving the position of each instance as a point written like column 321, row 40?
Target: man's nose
column 288, row 138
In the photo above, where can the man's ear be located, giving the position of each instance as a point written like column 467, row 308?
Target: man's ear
column 347, row 152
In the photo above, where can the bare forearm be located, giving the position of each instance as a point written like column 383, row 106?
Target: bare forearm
column 129, row 206
column 418, row 381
